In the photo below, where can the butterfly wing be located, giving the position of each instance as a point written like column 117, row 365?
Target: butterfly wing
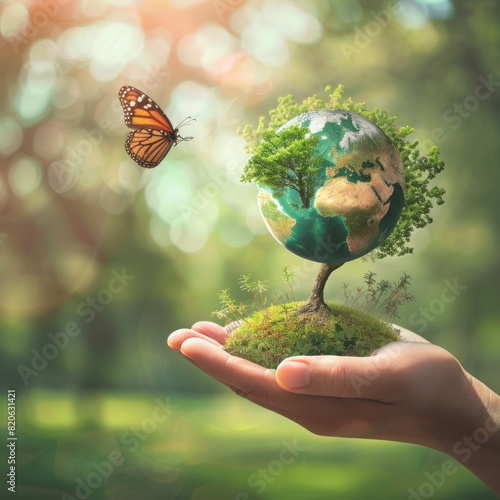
column 142, row 112
column 148, row 147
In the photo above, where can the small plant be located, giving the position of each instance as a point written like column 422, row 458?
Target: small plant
column 232, row 310
column 314, row 344
column 288, row 278
column 229, row 310
column 382, row 297
column 255, row 288
column 273, row 331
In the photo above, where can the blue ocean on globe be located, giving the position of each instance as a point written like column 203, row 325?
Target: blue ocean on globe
column 360, row 193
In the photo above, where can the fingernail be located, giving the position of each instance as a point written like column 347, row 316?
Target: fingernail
column 184, row 348
column 294, row 374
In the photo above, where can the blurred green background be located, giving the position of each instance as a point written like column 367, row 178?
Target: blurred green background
column 101, row 260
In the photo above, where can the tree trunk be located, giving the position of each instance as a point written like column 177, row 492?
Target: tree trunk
column 316, row 301
column 306, row 200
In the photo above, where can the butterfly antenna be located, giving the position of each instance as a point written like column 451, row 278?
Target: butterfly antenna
column 186, row 121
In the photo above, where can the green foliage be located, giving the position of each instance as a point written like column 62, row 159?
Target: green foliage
column 255, row 288
column 232, row 310
column 286, row 160
column 315, row 343
column 420, row 169
column 268, row 337
column 267, row 333
column 229, row 308
column 288, row 278
column 381, row 296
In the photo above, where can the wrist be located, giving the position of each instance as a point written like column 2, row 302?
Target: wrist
column 476, row 443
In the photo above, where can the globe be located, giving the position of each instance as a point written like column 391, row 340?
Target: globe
column 360, row 193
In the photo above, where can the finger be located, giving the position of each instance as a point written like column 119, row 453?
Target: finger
column 380, row 377
column 212, row 330
column 218, row 363
column 177, row 338
column 244, row 377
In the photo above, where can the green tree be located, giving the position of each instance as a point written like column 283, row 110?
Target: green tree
column 286, row 160
column 419, row 170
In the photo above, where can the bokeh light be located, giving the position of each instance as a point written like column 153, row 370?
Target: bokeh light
column 24, row 176
column 11, row 135
column 12, row 19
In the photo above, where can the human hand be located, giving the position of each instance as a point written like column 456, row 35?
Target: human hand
column 409, row 391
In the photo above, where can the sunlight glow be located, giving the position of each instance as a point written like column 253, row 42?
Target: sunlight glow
column 30, row 104
column 12, row 19
column 25, row 176
column 190, row 238
column 108, row 45
column 11, row 135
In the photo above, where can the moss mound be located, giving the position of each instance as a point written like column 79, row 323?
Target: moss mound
column 278, row 332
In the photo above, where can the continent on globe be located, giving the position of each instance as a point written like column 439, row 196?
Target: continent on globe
column 360, row 193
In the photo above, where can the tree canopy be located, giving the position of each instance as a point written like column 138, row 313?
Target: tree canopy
column 273, row 164
column 286, row 159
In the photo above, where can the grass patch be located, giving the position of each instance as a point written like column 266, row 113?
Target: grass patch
column 278, row 332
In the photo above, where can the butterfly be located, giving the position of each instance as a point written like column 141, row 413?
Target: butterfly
column 153, row 135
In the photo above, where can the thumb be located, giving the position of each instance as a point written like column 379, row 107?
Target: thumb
column 338, row 376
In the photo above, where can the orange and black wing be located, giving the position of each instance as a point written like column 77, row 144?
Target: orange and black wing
column 148, row 147
column 142, row 112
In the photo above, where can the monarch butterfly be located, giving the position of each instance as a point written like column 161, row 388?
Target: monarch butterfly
column 153, row 134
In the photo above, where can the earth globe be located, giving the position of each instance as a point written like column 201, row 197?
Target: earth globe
column 359, row 195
